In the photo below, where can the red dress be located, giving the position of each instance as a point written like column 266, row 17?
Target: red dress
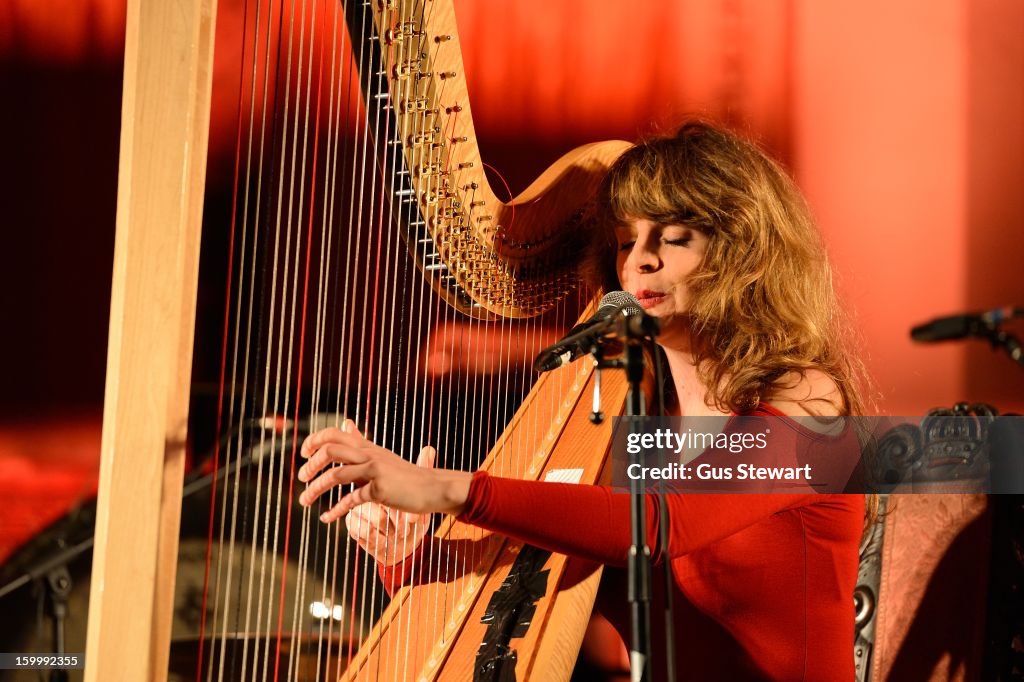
column 763, row 583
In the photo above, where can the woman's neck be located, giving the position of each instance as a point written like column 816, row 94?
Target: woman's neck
column 690, row 390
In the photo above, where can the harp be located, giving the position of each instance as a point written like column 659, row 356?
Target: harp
column 419, row 183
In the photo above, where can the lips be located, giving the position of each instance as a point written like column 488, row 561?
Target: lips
column 649, row 298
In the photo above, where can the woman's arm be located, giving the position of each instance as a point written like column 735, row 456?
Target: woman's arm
column 591, row 522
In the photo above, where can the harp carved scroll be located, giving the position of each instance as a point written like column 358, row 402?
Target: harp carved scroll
column 376, row 232
column 512, row 259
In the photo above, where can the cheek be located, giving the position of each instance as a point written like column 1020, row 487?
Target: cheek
column 620, row 269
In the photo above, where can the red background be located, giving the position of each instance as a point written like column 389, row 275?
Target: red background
column 902, row 122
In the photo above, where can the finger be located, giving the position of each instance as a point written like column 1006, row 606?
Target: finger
column 375, row 545
column 383, row 546
column 426, row 457
column 317, row 461
column 347, row 503
column 372, row 515
column 330, row 478
column 318, row 439
column 359, row 517
column 348, row 451
column 402, row 521
column 370, row 511
column 363, row 533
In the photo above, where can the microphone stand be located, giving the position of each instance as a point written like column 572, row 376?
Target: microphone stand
column 639, row 552
column 1005, row 341
column 633, row 330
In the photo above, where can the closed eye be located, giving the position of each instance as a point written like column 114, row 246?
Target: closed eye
column 626, row 246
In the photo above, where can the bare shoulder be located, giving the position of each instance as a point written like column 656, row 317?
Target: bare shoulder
column 811, row 394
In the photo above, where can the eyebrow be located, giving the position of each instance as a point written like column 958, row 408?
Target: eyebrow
column 660, row 225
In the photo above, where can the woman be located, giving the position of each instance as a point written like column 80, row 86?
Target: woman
column 713, row 239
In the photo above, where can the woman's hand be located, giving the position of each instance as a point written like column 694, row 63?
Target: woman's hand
column 380, row 476
column 388, row 535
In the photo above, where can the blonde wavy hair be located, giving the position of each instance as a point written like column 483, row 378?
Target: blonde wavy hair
column 763, row 307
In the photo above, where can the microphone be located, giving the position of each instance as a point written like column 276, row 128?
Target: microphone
column 963, row 326
column 582, row 337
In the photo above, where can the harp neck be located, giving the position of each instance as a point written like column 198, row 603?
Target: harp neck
column 488, row 257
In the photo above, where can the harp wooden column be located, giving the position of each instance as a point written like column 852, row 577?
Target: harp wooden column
column 164, row 128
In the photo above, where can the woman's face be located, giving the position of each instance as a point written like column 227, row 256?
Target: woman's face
column 653, row 263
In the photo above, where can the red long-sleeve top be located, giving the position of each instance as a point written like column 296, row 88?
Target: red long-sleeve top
column 762, row 583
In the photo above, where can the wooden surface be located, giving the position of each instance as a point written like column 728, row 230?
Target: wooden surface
column 164, row 128
column 515, row 257
column 433, row 630
column 414, row 639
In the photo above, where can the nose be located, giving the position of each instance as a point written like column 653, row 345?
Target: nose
column 643, row 257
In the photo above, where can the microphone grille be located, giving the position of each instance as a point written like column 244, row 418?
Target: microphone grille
column 620, row 300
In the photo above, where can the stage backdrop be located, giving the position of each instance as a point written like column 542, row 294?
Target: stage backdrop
column 900, row 120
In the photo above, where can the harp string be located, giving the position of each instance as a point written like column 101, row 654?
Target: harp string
column 456, row 341
column 224, row 336
column 378, row 426
column 236, row 445
column 357, row 340
column 297, row 613
column 293, row 157
column 254, row 318
column 406, row 215
column 284, row 334
column 337, row 327
column 357, row 167
column 393, row 415
column 438, row 392
column 375, row 220
column 327, row 594
column 381, row 426
column 442, row 387
column 380, row 422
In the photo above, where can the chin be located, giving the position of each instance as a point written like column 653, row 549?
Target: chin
column 675, row 331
